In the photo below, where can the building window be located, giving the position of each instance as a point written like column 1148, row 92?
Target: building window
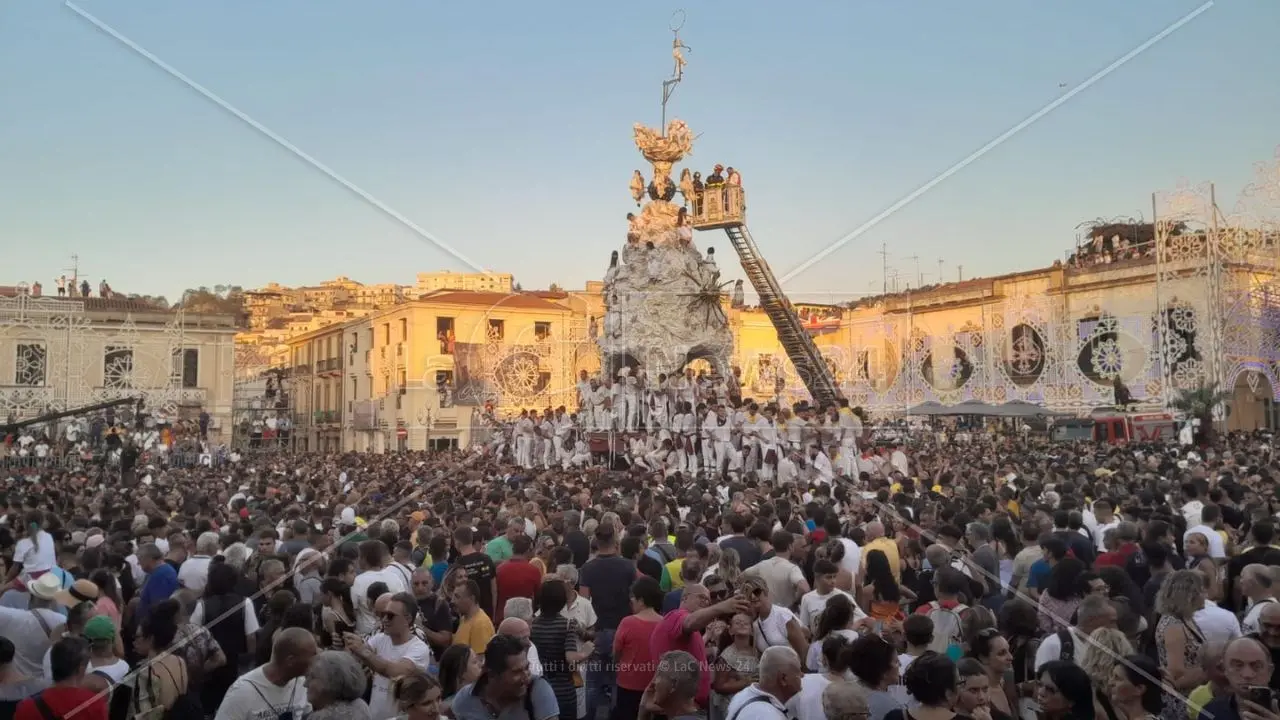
column 497, row 330
column 386, row 333
column 542, row 331
column 185, row 368
column 117, row 368
column 29, row 366
column 402, row 379
column 444, row 333
column 444, row 387
column 404, row 330
column 355, row 342
column 355, row 388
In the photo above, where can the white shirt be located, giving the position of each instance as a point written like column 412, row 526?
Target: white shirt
column 1217, row 624
column 1249, row 625
column 366, row 622
column 807, row 704
column 250, row 617
column 194, row 573
column 1191, row 511
column 852, row 556
column 1217, row 549
column 33, row 558
column 381, row 704
column 1051, row 648
column 812, row 604
column 254, row 697
column 768, row 709
column 772, row 630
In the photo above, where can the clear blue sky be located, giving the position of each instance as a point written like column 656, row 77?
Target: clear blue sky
column 504, row 128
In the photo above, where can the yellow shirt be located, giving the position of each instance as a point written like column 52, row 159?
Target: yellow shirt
column 673, row 569
column 474, row 632
column 1197, row 699
column 887, row 546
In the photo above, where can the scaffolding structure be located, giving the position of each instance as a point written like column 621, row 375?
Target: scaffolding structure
column 262, row 418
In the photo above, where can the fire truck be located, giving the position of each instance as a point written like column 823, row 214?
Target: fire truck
column 1114, row 426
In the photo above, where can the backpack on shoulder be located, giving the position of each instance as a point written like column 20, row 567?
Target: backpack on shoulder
column 948, row 629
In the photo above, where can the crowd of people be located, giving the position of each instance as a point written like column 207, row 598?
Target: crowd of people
column 108, row 435
column 691, row 423
column 1003, row 577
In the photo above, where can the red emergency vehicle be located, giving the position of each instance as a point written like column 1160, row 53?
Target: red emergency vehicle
column 1114, row 426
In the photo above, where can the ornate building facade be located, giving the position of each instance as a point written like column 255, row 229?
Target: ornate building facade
column 415, row 375
column 1198, row 303
column 63, row 353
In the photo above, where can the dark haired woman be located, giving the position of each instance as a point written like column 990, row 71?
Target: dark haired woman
column 1059, row 601
column 631, row 650
column 162, row 683
column 1135, row 688
column 933, row 682
column 557, row 639
column 836, row 654
column 1064, row 692
column 459, row 667
column 874, row 662
column 992, row 653
column 882, row 596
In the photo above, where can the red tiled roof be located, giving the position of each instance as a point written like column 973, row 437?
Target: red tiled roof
column 491, row 299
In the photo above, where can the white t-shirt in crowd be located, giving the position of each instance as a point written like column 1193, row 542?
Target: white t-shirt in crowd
column 250, row 617
column 852, row 556
column 1218, row 624
column 1051, row 648
column 744, row 705
column 366, row 622
column 807, row 704
column 772, row 630
column 1249, row 625
column 40, row 556
column 812, row 604
column 381, row 704
column 254, row 697
column 194, row 573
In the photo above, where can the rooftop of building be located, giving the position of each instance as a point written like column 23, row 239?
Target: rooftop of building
column 517, row 300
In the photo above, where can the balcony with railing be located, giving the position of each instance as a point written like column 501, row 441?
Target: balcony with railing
column 719, row 206
column 325, row 417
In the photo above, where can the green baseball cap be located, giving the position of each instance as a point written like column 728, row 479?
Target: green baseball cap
column 99, row 628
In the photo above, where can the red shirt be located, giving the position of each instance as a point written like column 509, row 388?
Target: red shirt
column 632, row 653
column 64, row 701
column 669, row 635
column 1117, row 558
column 517, row 577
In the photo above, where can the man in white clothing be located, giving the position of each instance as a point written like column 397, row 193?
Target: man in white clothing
column 780, row 679
column 1257, row 586
column 278, row 688
column 392, row 653
column 374, row 559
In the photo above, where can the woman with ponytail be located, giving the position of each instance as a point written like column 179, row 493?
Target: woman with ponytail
column 34, row 555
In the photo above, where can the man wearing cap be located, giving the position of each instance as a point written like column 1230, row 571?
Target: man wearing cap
column 104, row 663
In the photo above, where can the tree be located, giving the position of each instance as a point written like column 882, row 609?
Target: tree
column 1198, row 403
column 555, row 287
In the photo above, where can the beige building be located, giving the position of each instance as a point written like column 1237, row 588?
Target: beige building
column 476, row 282
column 416, row 373
column 58, row 354
column 317, row 362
